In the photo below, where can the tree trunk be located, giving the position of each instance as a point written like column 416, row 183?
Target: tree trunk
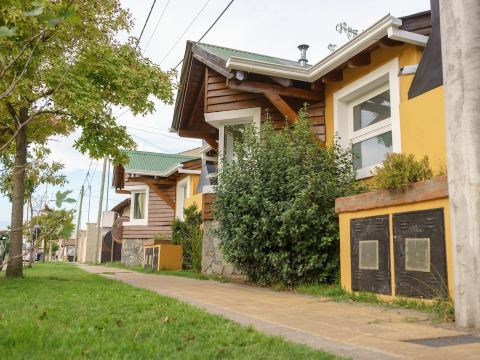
column 30, row 259
column 15, row 266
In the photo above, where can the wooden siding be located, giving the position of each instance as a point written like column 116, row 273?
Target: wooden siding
column 160, row 215
column 218, row 97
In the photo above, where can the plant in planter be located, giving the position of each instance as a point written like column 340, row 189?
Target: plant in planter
column 189, row 234
column 399, row 170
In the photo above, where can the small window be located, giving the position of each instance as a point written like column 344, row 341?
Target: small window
column 371, row 151
column 368, row 255
column 417, row 254
column 233, row 134
column 139, row 205
column 371, row 111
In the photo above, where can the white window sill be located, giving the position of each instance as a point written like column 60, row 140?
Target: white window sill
column 366, row 172
column 136, row 222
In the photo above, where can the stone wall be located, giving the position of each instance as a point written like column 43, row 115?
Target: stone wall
column 132, row 252
column 212, row 259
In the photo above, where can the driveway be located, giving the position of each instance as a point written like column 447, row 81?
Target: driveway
column 346, row 329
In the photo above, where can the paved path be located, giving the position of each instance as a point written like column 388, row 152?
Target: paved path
column 352, row 330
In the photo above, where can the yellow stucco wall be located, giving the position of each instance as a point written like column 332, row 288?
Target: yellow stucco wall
column 422, row 132
column 195, row 199
column 422, row 119
column 345, row 254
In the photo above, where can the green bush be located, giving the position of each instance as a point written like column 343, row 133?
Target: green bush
column 400, row 170
column 189, row 234
column 275, row 204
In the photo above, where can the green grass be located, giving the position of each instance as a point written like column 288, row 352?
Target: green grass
column 181, row 273
column 59, row 311
column 441, row 309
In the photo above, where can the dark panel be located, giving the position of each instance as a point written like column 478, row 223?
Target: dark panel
column 155, row 258
column 429, row 73
column 420, row 260
column 370, row 271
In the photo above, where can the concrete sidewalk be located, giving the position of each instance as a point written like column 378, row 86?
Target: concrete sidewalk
column 352, row 330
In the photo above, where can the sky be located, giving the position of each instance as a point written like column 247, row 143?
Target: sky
column 271, row 27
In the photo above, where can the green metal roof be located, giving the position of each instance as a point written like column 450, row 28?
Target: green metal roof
column 151, row 163
column 225, row 53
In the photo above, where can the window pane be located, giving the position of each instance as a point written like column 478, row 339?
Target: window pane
column 139, row 205
column 417, row 254
column 233, row 135
column 371, row 111
column 368, row 255
column 372, row 151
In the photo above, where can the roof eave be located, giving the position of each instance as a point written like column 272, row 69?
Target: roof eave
column 386, row 26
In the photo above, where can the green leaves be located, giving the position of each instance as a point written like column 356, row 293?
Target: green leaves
column 275, row 204
column 36, row 11
column 5, row 31
column 400, row 170
column 62, row 197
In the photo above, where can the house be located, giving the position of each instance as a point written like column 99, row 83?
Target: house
column 160, row 186
column 381, row 92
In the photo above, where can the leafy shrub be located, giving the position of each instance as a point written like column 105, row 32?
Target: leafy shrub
column 189, row 234
column 275, row 204
column 400, row 170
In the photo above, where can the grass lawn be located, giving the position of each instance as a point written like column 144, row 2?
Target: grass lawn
column 61, row 312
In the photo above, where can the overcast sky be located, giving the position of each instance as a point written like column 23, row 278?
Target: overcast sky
column 272, row 27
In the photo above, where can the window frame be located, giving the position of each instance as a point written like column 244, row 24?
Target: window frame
column 135, row 189
column 220, row 119
column 372, row 84
column 183, row 186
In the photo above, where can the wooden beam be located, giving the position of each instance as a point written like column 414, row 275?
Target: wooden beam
column 160, row 193
column 318, row 86
column 200, row 98
column 360, row 60
column 333, row 76
column 282, row 106
column 282, row 81
column 261, row 88
column 211, row 141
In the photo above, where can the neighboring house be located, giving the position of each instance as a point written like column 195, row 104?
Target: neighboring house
column 381, row 92
column 160, row 187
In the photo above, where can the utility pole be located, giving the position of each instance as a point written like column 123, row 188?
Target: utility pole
column 460, row 31
column 108, row 184
column 99, row 215
column 79, row 219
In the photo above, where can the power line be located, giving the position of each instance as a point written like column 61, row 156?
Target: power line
column 156, row 26
column 148, row 142
column 210, row 28
column 159, row 134
column 188, row 28
column 146, row 21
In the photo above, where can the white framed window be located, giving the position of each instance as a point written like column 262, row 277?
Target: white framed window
column 367, row 117
column 183, row 191
column 230, row 127
column 139, row 195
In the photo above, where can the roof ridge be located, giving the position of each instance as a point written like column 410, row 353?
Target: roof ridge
column 243, row 51
column 162, row 154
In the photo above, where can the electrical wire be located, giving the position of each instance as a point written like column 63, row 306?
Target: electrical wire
column 181, row 36
column 159, row 134
column 146, row 22
column 149, row 142
column 210, row 28
column 156, row 26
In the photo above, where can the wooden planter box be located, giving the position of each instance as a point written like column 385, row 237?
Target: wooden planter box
column 163, row 257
